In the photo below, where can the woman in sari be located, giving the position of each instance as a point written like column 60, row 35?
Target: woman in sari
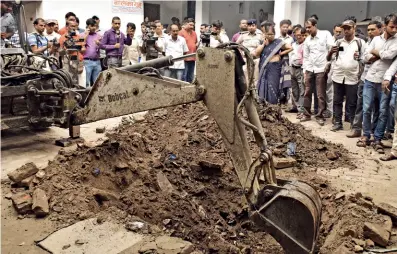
column 270, row 65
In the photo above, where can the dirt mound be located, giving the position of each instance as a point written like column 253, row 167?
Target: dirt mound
column 173, row 172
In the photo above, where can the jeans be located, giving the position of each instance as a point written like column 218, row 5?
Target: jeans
column 114, row 62
column 394, row 146
column 383, row 116
column 174, row 73
column 188, row 73
column 320, row 82
column 392, row 107
column 92, row 69
column 370, row 92
column 340, row 90
column 298, row 87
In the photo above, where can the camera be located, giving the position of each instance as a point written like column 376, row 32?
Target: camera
column 70, row 43
column 55, row 43
column 149, row 38
column 206, row 38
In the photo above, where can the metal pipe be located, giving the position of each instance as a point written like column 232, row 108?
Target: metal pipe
column 155, row 63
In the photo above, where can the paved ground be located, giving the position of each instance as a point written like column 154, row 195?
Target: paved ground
column 372, row 176
column 19, row 147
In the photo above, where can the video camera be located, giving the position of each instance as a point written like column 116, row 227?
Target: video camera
column 148, row 37
column 70, row 43
column 206, row 37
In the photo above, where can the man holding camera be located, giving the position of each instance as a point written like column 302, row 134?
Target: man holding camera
column 153, row 41
column 71, row 48
column 113, row 42
column 217, row 37
column 39, row 44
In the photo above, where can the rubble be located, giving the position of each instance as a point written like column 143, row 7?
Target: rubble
column 163, row 183
column 192, row 199
column 388, row 210
column 40, row 203
column 358, row 249
column 26, row 182
column 280, row 163
column 23, row 172
column 22, row 202
column 376, row 233
column 100, row 129
column 369, row 244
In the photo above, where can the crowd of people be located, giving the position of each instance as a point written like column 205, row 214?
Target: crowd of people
column 302, row 65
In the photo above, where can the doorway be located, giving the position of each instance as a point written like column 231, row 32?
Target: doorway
column 152, row 11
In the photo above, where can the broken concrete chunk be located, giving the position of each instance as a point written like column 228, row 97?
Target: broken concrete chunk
column 22, row 202
column 359, row 242
column 121, row 165
column 40, row 174
column 280, row 163
column 138, row 118
column 332, row 155
column 212, row 164
column 388, row 210
column 387, row 223
column 163, row 183
column 135, row 226
column 100, row 129
column 103, row 195
column 358, row 249
column 376, row 233
column 369, row 244
column 26, row 182
column 172, row 244
column 340, row 195
column 40, row 203
column 23, row 172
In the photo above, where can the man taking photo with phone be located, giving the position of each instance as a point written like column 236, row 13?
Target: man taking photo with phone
column 347, row 71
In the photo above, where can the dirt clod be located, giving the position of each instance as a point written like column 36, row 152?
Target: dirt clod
column 376, row 233
column 23, row 172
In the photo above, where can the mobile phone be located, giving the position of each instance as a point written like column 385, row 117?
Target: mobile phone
column 341, row 48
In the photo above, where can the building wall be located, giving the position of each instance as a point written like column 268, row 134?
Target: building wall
column 32, row 11
column 381, row 8
column 85, row 9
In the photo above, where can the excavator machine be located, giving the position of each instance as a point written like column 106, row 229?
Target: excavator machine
column 289, row 210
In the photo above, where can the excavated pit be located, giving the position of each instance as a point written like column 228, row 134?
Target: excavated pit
column 173, row 172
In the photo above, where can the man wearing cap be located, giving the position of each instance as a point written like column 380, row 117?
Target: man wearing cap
column 347, row 54
column 50, row 33
column 243, row 30
column 251, row 40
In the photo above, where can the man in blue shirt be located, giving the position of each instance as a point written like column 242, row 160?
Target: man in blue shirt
column 39, row 44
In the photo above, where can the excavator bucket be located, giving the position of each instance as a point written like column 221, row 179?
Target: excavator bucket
column 288, row 210
column 291, row 213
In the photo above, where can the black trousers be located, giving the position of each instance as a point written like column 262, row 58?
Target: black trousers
column 340, row 91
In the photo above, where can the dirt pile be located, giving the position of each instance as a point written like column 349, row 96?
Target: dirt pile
column 173, row 172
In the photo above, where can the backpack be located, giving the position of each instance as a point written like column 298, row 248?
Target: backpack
column 360, row 63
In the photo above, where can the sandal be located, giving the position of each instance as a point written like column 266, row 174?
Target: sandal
column 363, row 142
column 378, row 147
column 388, row 157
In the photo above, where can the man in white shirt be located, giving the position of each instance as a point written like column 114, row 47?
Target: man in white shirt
column 175, row 46
column 217, row 36
column 315, row 53
column 296, row 61
column 381, row 52
column 49, row 33
column 347, row 53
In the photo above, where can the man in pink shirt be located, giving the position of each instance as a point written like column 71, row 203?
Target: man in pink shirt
column 191, row 40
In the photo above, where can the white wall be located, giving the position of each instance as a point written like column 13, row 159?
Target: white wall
column 32, row 11
column 228, row 13
column 85, row 9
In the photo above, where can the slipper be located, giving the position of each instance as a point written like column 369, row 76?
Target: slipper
column 388, row 157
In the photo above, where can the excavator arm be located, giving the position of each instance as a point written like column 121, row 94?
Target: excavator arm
column 289, row 210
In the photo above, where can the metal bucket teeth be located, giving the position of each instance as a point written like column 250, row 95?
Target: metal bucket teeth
column 291, row 213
